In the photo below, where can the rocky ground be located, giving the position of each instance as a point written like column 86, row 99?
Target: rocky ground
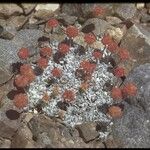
column 23, row 24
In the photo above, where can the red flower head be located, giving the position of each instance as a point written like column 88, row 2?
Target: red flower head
column 31, row 76
column 72, row 31
column 89, row 38
column 46, row 97
column 129, row 89
column 21, row 81
column 98, row 11
column 119, row 72
column 53, row 23
column 46, row 51
column 68, row 95
column 112, row 47
column 116, row 93
column 115, row 111
column 42, row 62
column 87, row 66
column 97, row 54
column 23, row 53
column 84, row 86
column 20, row 100
column 106, row 40
column 63, row 48
column 123, row 54
column 56, row 72
column 27, row 71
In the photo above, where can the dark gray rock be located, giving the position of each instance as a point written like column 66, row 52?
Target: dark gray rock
column 8, row 54
column 133, row 129
column 141, row 77
column 126, row 11
column 84, row 10
column 87, row 131
column 113, row 20
column 71, row 9
column 88, row 8
column 27, row 37
column 100, row 25
column 67, row 19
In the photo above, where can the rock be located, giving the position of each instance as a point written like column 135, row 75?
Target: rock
column 4, row 74
column 117, row 33
column 50, row 7
column 44, row 140
column 66, row 19
column 148, row 11
column 3, row 93
column 72, row 10
column 39, row 124
column 113, row 20
column 126, row 11
column 28, row 117
column 28, row 7
column 52, row 133
column 87, row 131
column 80, row 40
column 147, row 5
column 47, row 132
column 136, row 40
column 97, row 144
column 100, row 25
column 110, row 143
column 8, row 32
column 84, row 10
column 88, row 9
column 17, row 21
column 141, row 77
column 3, row 23
column 133, row 129
column 145, row 18
column 22, row 138
column 7, row 10
column 5, row 143
column 27, row 37
column 56, row 30
column 8, row 127
column 8, row 54
column 33, row 21
column 43, row 14
column 140, row 5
